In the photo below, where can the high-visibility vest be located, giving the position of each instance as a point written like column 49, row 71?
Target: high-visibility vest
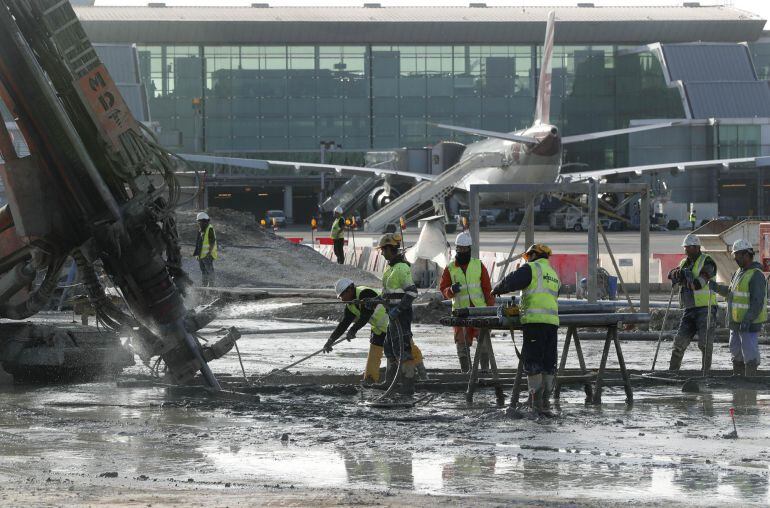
column 396, row 279
column 702, row 294
column 738, row 305
column 206, row 242
column 692, row 217
column 539, row 300
column 470, row 293
column 337, row 230
column 379, row 320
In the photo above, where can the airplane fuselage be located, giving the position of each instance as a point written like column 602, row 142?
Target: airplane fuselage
column 521, row 163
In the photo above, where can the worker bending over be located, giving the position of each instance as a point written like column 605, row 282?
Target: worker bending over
column 399, row 289
column 539, row 315
column 206, row 249
column 360, row 312
column 466, row 282
column 746, row 308
column 338, row 235
column 692, row 275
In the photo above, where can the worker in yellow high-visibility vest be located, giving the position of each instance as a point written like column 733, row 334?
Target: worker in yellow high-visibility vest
column 466, row 282
column 539, row 313
column 206, row 248
column 746, row 308
column 338, row 235
column 692, row 275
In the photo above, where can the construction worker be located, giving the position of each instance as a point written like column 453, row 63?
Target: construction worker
column 692, row 275
column 466, row 282
column 206, row 249
column 359, row 313
column 693, row 219
column 338, row 235
column 539, row 314
column 746, row 307
column 400, row 290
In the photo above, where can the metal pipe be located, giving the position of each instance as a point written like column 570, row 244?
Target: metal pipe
column 473, row 203
column 644, row 269
column 593, row 239
column 529, row 237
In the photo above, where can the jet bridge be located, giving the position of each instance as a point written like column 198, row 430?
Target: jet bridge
column 411, row 204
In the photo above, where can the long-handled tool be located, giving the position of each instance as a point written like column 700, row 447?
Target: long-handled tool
column 709, row 340
column 663, row 326
column 311, row 355
column 734, row 433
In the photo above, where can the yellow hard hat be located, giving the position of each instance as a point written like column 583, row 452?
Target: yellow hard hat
column 538, row 248
column 393, row 239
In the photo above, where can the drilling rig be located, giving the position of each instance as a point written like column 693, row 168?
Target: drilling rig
column 96, row 188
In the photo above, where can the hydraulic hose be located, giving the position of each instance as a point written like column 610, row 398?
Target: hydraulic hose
column 39, row 298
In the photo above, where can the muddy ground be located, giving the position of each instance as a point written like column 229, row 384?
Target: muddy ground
column 98, row 444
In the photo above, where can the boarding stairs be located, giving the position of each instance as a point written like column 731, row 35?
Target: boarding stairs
column 410, row 203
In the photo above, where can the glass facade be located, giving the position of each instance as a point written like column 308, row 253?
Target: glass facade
column 289, row 98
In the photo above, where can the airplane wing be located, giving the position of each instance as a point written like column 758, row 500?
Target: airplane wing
column 675, row 166
column 265, row 164
column 617, row 132
column 490, row 134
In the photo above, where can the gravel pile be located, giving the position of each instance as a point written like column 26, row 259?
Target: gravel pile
column 252, row 257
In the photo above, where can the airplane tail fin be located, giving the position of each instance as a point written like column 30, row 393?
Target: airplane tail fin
column 543, row 106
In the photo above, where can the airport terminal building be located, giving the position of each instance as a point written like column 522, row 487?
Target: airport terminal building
column 278, row 81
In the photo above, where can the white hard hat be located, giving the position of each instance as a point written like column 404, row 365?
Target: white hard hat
column 202, row 216
column 691, row 241
column 463, row 240
column 342, row 285
column 740, row 245
column 337, row 209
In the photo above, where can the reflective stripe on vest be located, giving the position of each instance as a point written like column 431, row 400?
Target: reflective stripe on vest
column 396, row 279
column 741, row 298
column 470, row 294
column 379, row 320
column 702, row 294
column 539, row 301
column 205, row 244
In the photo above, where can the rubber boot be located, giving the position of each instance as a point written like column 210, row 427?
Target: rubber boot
column 406, row 386
column 373, row 360
column 463, row 354
column 549, row 380
column 422, row 372
column 535, row 384
column 751, row 369
column 390, row 373
column 676, row 360
column 739, row 368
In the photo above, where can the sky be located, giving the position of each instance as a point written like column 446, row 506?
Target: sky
column 761, row 7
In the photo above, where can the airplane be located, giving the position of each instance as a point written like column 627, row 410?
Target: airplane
column 531, row 155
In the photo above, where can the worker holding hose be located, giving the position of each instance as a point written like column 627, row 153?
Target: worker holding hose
column 400, row 291
column 466, row 282
column 359, row 312
column 746, row 308
column 692, row 275
column 539, row 310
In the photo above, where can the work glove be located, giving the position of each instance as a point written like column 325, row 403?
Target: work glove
column 713, row 286
column 674, row 275
column 686, row 275
column 394, row 312
column 328, row 345
column 350, row 335
column 456, row 287
column 745, row 326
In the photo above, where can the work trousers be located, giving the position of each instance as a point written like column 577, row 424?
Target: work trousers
column 539, row 351
column 744, row 347
column 207, row 271
column 339, row 250
column 694, row 322
column 398, row 342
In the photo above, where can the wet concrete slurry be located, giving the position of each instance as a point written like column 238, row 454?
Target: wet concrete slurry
column 669, row 447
